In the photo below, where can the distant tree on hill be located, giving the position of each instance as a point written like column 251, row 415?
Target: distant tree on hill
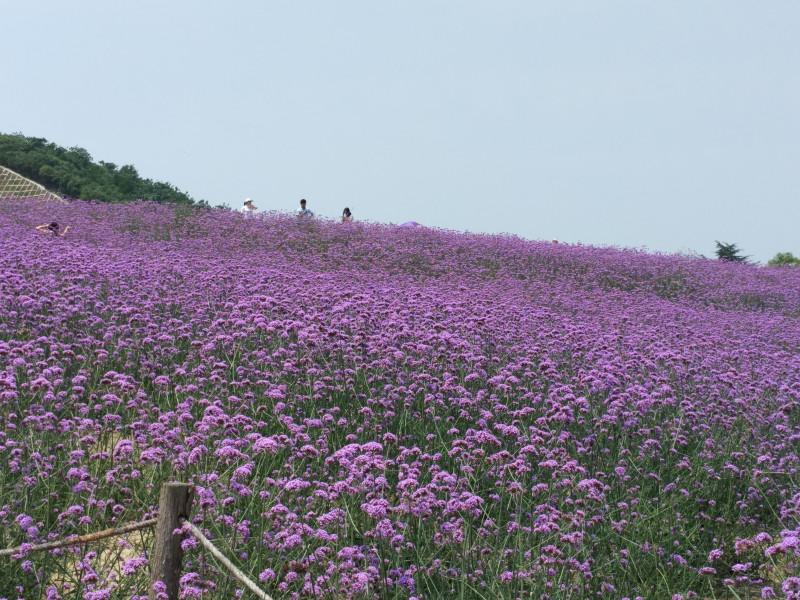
column 71, row 172
column 730, row 252
column 784, row 259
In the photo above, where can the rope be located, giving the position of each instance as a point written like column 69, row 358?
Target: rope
column 80, row 539
column 115, row 531
column 234, row 571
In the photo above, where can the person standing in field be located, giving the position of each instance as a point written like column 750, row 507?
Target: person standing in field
column 347, row 216
column 248, row 209
column 303, row 211
column 52, row 229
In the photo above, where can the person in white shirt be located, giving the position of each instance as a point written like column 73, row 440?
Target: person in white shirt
column 303, row 211
column 248, row 209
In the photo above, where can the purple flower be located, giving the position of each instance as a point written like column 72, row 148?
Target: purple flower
column 361, row 408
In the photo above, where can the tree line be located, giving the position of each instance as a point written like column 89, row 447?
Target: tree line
column 732, row 253
column 72, row 173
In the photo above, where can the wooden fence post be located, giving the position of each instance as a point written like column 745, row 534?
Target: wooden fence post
column 174, row 503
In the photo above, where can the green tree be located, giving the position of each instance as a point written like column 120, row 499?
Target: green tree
column 784, row 259
column 72, row 172
column 127, row 179
column 730, row 252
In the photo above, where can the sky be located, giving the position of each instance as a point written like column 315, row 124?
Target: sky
column 660, row 125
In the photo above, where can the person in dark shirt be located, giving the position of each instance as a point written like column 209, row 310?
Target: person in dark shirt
column 52, row 229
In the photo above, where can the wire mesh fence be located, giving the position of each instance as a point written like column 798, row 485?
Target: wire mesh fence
column 14, row 185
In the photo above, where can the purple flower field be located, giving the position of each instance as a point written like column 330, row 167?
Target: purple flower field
column 393, row 413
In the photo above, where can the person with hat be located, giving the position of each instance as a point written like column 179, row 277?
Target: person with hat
column 248, row 209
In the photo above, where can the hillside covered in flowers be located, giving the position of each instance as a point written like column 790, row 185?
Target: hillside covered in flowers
column 370, row 411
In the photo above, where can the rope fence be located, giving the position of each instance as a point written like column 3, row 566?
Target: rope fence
column 80, row 539
column 232, row 569
column 175, row 500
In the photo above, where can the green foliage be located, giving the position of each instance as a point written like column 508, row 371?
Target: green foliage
column 730, row 252
column 71, row 172
column 784, row 259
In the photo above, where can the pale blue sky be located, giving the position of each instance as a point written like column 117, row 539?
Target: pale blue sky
column 661, row 124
